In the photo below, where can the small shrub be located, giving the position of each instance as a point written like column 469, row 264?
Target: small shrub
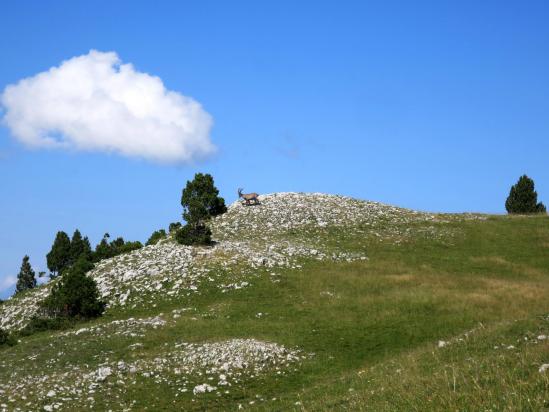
column 75, row 295
column 40, row 324
column 106, row 250
column 6, row 339
column 194, row 235
column 128, row 247
column 156, row 237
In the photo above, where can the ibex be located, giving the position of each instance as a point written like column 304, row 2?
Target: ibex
column 248, row 197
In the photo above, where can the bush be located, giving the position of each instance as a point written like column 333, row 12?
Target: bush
column 128, row 247
column 194, row 235
column 6, row 338
column 40, row 324
column 156, row 236
column 106, row 250
column 75, row 295
column 523, row 198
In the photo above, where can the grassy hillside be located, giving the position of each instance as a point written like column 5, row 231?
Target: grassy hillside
column 307, row 302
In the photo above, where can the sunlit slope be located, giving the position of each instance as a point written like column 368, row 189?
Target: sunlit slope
column 275, row 234
column 306, row 302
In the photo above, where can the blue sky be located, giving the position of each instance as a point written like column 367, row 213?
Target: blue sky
column 432, row 105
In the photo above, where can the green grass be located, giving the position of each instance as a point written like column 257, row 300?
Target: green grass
column 373, row 327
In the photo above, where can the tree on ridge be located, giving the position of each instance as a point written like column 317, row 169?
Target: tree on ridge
column 59, row 257
column 201, row 201
column 523, row 199
column 26, row 278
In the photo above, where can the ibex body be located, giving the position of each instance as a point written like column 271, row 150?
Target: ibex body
column 248, row 197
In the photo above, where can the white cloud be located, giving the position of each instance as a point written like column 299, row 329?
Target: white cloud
column 7, row 282
column 95, row 103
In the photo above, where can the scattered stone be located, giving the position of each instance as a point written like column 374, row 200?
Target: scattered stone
column 102, row 373
column 203, row 388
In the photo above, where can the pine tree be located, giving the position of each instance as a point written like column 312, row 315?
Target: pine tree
column 103, row 249
column 87, row 249
column 200, row 200
column 26, row 278
column 79, row 247
column 59, row 257
column 523, row 198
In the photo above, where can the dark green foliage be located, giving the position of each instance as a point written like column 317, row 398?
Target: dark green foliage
column 106, row 250
column 194, row 235
column 174, row 226
column 75, row 295
column 59, row 257
column 79, row 247
column 6, row 338
column 128, row 247
column 156, row 236
column 200, row 200
column 523, row 198
column 65, row 252
column 3, row 336
column 26, row 278
column 40, row 324
column 102, row 250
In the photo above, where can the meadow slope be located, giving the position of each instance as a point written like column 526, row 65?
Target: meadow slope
column 306, row 302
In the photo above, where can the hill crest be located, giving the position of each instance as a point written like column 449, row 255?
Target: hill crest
column 283, row 229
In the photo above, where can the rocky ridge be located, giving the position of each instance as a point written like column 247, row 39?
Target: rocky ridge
column 247, row 238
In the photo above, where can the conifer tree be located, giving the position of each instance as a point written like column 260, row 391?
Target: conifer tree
column 59, row 257
column 523, row 198
column 79, row 247
column 200, row 200
column 26, row 278
column 103, row 249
